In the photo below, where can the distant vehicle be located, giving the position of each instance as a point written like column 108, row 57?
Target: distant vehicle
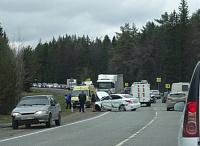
column 55, row 85
column 34, row 85
column 153, row 98
column 77, row 90
column 156, row 93
column 61, row 86
column 49, row 85
column 144, row 81
column 189, row 123
column 180, row 87
column 36, row 109
column 44, row 85
column 141, row 91
column 111, row 83
column 87, row 83
column 39, row 85
column 173, row 98
column 71, row 85
column 165, row 97
column 121, row 102
column 127, row 90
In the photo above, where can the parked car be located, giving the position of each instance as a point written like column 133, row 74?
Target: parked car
column 189, row 123
column 121, row 102
column 153, row 98
column 35, row 110
column 173, row 98
column 55, row 85
column 156, row 93
column 61, row 86
column 127, row 90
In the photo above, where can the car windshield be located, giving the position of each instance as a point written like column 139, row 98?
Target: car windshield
column 105, row 85
column 128, row 96
column 31, row 100
column 177, row 95
column 77, row 92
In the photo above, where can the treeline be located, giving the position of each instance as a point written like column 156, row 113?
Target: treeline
column 168, row 48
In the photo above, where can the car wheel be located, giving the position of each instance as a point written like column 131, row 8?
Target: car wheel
column 122, row 108
column 133, row 109
column 168, row 109
column 97, row 108
column 28, row 125
column 58, row 122
column 15, row 124
column 49, row 123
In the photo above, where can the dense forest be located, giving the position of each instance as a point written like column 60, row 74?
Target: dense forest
column 168, row 48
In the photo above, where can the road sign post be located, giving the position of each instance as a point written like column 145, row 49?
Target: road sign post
column 158, row 80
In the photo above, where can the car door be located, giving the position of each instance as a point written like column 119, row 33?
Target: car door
column 53, row 108
column 116, row 101
column 106, row 102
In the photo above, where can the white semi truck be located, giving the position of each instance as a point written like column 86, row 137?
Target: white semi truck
column 111, row 83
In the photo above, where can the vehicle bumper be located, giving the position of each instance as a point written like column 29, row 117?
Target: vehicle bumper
column 31, row 119
column 132, row 106
column 183, row 141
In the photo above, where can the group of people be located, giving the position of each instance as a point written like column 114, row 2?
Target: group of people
column 82, row 100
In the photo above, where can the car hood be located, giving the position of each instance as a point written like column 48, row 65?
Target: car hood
column 101, row 94
column 30, row 109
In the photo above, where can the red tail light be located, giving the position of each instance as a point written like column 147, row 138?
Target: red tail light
column 191, row 121
column 128, row 101
column 169, row 98
column 131, row 94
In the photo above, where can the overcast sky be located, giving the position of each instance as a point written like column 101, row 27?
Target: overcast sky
column 32, row 20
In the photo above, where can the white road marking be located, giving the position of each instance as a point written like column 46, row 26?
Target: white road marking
column 132, row 136
column 54, row 128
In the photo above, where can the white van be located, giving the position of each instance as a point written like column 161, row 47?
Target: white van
column 180, row 87
column 141, row 91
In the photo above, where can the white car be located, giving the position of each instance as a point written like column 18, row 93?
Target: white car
column 121, row 102
column 189, row 123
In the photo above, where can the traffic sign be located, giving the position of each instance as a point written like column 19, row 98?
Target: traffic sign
column 126, row 84
column 167, row 85
column 158, row 79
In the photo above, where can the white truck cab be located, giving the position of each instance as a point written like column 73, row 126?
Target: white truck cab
column 141, row 91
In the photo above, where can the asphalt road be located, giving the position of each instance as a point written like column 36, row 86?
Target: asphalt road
column 147, row 126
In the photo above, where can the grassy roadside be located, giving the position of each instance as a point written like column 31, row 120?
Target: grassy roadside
column 7, row 118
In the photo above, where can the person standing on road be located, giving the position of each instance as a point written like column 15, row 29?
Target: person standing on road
column 82, row 99
column 93, row 100
column 68, row 101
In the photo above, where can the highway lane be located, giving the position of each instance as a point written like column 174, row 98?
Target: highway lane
column 146, row 126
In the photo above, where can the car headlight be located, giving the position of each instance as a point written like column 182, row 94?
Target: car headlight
column 41, row 112
column 15, row 114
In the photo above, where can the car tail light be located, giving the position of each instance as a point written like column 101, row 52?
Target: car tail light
column 131, row 94
column 191, row 121
column 128, row 101
column 169, row 98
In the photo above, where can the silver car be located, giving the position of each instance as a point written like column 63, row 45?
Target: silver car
column 35, row 110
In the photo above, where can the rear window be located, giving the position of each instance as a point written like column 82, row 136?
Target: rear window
column 184, row 87
column 177, row 95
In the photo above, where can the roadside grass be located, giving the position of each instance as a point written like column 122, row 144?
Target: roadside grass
column 7, row 118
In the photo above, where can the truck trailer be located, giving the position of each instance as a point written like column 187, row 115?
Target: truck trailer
column 111, row 83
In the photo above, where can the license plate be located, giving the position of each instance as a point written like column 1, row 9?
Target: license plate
column 27, row 118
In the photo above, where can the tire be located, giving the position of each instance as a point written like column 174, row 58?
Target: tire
column 28, row 125
column 122, row 108
column 133, row 109
column 58, row 122
column 15, row 124
column 97, row 108
column 49, row 123
column 168, row 109
column 148, row 104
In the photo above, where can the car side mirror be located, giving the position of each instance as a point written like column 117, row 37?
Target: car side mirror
column 179, row 106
